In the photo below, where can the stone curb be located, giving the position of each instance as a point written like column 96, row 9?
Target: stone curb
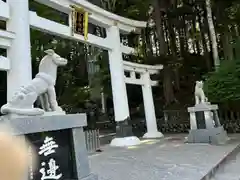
column 221, row 163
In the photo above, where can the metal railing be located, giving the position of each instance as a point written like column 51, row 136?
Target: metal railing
column 176, row 116
column 92, row 139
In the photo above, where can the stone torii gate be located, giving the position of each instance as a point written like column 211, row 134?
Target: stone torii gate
column 145, row 81
column 16, row 40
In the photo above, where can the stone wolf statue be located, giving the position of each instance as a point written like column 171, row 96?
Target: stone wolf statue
column 42, row 87
column 199, row 93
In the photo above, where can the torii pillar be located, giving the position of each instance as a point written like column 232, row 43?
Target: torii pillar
column 124, row 136
column 19, row 53
column 150, row 115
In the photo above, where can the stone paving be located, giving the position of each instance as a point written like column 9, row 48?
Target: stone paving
column 166, row 159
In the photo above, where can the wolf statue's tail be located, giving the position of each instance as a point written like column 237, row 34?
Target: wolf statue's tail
column 8, row 109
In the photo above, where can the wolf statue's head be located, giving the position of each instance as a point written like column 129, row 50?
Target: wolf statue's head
column 199, row 84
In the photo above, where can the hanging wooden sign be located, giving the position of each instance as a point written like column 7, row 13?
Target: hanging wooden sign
column 80, row 21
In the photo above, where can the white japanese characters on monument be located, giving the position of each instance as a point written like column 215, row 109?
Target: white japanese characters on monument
column 48, row 147
column 31, row 165
column 49, row 169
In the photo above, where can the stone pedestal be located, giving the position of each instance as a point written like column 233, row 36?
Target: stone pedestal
column 74, row 123
column 205, row 125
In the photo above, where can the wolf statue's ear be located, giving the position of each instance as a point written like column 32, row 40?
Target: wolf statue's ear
column 49, row 52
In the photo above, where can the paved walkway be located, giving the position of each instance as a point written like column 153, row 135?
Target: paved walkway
column 166, row 159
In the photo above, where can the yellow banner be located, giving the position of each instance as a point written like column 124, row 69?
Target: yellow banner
column 86, row 25
column 77, row 10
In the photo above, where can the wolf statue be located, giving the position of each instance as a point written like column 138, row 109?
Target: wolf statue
column 42, row 87
column 199, row 93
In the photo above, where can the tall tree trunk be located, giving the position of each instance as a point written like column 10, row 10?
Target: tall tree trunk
column 204, row 43
column 227, row 47
column 167, row 72
column 236, row 30
column 196, row 40
column 146, row 46
column 172, row 36
column 159, row 27
column 156, row 43
column 177, row 78
column 237, row 51
column 181, row 36
column 185, row 32
column 167, row 85
column 173, row 46
column 168, row 46
column 147, row 33
column 212, row 34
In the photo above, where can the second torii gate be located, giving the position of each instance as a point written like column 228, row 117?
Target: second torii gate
column 145, row 81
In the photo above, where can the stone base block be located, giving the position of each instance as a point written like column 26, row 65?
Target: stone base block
column 49, row 122
column 153, row 135
column 125, row 141
column 213, row 136
column 35, row 124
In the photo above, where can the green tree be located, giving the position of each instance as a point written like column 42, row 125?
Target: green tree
column 223, row 86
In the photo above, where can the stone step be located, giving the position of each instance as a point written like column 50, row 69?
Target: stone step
column 219, row 167
column 229, row 170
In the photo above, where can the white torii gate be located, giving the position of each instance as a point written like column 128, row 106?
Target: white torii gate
column 16, row 39
column 145, row 81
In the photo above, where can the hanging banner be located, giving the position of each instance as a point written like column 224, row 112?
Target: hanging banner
column 80, row 21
